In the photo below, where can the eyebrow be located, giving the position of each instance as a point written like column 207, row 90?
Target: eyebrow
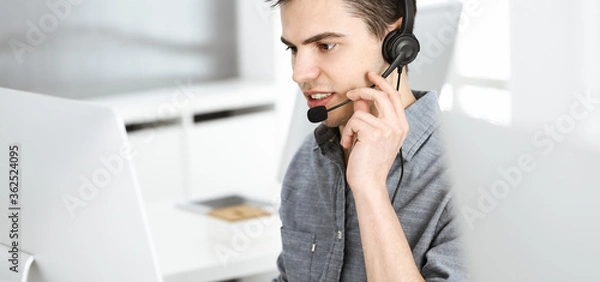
column 315, row 38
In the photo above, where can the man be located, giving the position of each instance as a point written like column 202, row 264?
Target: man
column 339, row 221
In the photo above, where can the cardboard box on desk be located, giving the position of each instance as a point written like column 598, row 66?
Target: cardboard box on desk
column 238, row 212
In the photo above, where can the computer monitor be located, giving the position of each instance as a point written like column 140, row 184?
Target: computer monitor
column 69, row 194
column 527, row 198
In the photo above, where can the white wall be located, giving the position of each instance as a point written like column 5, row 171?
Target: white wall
column 554, row 54
column 554, row 58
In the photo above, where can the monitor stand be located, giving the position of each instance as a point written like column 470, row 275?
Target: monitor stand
column 19, row 264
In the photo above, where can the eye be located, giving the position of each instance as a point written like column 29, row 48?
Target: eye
column 327, row 46
column 293, row 49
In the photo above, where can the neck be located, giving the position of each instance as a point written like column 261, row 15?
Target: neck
column 406, row 94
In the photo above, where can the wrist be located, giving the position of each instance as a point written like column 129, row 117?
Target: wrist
column 374, row 193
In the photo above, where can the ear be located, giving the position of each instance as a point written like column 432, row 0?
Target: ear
column 396, row 25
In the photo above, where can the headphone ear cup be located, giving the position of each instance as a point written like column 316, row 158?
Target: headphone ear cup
column 397, row 44
column 388, row 48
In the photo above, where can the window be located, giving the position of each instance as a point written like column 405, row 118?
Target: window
column 479, row 75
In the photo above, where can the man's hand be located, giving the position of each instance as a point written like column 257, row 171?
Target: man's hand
column 374, row 140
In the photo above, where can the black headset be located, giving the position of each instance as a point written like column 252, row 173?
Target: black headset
column 402, row 42
column 400, row 48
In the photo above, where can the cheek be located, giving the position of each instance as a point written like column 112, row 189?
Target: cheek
column 365, row 60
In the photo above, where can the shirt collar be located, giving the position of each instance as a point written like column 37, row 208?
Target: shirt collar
column 422, row 116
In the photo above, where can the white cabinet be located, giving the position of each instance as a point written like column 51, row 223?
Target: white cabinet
column 206, row 140
column 236, row 154
column 159, row 161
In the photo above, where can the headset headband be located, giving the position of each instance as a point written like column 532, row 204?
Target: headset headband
column 408, row 19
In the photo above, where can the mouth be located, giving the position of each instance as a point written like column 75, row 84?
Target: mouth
column 320, row 96
column 315, row 98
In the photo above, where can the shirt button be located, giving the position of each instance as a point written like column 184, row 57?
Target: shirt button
column 339, row 235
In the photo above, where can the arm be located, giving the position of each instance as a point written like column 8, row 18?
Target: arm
column 373, row 143
column 388, row 256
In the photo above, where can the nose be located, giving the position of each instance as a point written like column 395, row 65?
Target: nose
column 305, row 68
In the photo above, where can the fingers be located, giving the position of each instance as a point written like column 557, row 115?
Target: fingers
column 388, row 105
column 360, row 122
column 391, row 119
column 382, row 102
column 384, row 86
column 366, row 127
column 361, row 106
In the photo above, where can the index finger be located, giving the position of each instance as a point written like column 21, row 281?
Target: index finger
column 384, row 86
column 382, row 102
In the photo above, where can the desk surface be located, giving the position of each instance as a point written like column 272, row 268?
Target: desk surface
column 194, row 247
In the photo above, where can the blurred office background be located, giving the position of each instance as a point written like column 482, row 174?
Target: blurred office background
column 204, row 86
column 83, row 49
column 94, row 48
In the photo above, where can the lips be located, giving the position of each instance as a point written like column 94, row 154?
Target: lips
column 318, row 98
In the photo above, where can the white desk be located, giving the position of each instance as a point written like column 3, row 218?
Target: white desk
column 187, row 244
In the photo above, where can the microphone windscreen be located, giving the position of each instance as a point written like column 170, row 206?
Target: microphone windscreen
column 317, row 114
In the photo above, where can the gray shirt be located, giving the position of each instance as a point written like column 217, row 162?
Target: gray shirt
column 320, row 232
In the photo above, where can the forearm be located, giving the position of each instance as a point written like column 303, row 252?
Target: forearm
column 388, row 256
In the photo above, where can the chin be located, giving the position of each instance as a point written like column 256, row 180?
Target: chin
column 329, row 123
column 335, row 120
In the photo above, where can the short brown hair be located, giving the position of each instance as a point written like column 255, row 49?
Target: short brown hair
column 377, row 14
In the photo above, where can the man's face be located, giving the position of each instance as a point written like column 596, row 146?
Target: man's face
column 332, row 51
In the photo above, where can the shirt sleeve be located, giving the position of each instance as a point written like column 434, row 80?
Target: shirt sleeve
column 445, row 258
column 280, row 267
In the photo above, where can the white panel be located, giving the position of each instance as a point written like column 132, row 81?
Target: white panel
column 234, row 155
column 255, row 39
column 483, row 44
column 436, row 26
column 159, row 162
column 547, row 58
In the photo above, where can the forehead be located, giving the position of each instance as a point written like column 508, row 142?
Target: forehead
column 301, row 19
